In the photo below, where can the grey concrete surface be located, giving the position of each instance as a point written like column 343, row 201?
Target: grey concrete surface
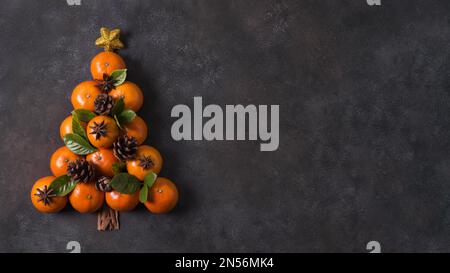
column 364, row 122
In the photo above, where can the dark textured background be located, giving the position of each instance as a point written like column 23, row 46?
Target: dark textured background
column 364, row 122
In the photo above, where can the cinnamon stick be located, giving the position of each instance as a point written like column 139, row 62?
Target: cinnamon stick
column 107, row 219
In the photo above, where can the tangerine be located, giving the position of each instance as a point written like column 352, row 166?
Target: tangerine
column 85, row 198
column 43, row 198
column 137, row 128
column 162, row 196
column 102, row 160
column 147, row 160
column 60, row 159
column 121, row 201
column 105, row 63
column 66, row 126
column 102, row 131
column 84, row 95
column 131, row 94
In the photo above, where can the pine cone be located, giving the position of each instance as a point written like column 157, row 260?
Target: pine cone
column 80, row 170
column 125, row 147
column 103, row 184
column 103, row 104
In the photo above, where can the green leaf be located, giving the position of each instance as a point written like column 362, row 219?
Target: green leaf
column 125, row 183
column 143, row 194
column 78, row 145
column 119, row 76
column 149, row 179
column 117, row 121
column 83, row 115
column 118, row 167
column 77, row 128
column 62, row 185
column 118, row 107
column 126, row 116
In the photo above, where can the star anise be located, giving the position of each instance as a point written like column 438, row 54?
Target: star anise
column 45, row 195
column 98, row 129
column 146, row 162
column 107, row 84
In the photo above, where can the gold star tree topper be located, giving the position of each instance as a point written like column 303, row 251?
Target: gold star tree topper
column 109, row 39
